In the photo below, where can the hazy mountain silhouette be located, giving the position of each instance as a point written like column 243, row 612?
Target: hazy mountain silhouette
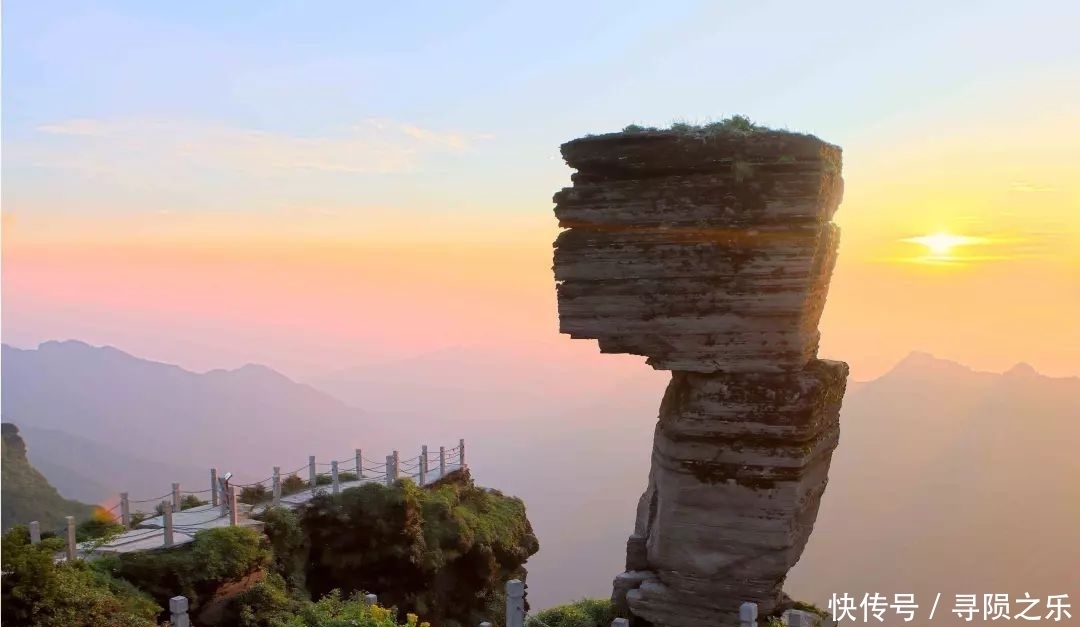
column 93, row 472
column 246, row 420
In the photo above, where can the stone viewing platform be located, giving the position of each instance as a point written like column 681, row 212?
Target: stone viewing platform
column 176, row 521
column 709, row 251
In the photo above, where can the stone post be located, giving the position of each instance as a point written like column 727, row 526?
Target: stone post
column 359, row 465
column 423, row 464
column 391, row 476
column 370, row 599
column 397, row 465
column 442, row 461
column 35, row 532
column 515, row 603
column 799, row 618
column 748, row 615
column 277, row 486
column 461, row 452
column 178, row 608
column 125, row 510
column 70, row 538
column 234, row 513
column 620, row 622
column 485, row 624
column 311, row 471
column 176, row 497
column 214, row 487
column 334, row 476
column 223, row 491
column 166, row 513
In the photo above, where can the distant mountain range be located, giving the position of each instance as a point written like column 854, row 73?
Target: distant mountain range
column 164, row 420
column 945, row 477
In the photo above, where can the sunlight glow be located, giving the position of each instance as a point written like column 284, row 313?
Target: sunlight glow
column 941, row 243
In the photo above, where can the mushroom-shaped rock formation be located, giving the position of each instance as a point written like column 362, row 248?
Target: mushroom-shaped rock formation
column 709, row 251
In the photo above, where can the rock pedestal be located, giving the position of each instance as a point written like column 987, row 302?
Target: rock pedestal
column 710, row 253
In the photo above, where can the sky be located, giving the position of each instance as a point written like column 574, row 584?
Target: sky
column 320, row 186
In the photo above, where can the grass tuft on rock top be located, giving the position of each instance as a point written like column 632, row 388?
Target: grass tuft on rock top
column 583, row 613
column 736, row 124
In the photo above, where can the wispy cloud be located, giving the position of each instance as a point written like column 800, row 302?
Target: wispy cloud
column 1027, row 188
column 100, row 146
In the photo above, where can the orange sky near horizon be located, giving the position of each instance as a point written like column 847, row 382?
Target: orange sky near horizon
column 310, row 291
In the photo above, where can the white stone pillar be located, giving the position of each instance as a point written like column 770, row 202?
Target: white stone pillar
column 176, row 497
column 70, row 538
column 125, row 510
column 359, row 465
column 370, row 599
column 234, row 509
column 390, row 476
column 442, row 461
column 748, row 615
column 461, row 452
column 397, row 465
column 515, row 603
column 799, row 618
column 423, row 465
column 311, row 471
column 35, row 532
column 214, row 487
column 485, row 624
column 166, row 513
column 223, row 490
column 277, row 486
column 178, row 608
column 334, row 476
column 620, row 622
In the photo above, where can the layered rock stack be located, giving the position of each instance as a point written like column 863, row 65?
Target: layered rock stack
column 709, row 251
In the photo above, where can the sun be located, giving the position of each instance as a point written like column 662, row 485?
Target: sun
column 942, row 243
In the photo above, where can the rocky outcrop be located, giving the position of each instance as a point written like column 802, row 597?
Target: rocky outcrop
column 709, row 251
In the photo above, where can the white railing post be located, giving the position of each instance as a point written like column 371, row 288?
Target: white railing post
column 359, row 465
column 334, row 476
column 35, row 532
column 234, row 513
column 620, row 622
column 515, row 603
column 423, row 465
column 799, row 618
column 214, row 487
column 397, row 466
column 461, row 452
column 176, row 497
column 370, row 599
column 223, row 502
column 166, row 513
column 311, row 471
column 390, row 478
column 70, row 538
column 277, row 486
column 178, row 608
column 125, row 510
column 442, row 461
column 748, row 615
column 485, row 624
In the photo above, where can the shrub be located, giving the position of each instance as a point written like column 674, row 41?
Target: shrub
column 334, row 611
column 254, row 494
column 347, row 476
column 323, row 479
column 190, row 500
column 193, row 570
column 100, row 526
column 293, row 484
column 40, row 592
column 583, row 613
column 286, row 537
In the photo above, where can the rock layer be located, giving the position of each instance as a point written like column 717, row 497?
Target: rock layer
column 710, row 253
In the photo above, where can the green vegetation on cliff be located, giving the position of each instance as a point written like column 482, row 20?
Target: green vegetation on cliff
column 443, row 552
column 583, row 613
column 25, row 493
